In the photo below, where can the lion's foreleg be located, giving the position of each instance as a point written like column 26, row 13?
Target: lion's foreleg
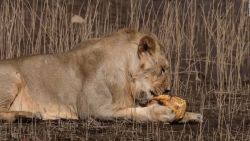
column 139, row 114
column 151, row 113
column 192, row 117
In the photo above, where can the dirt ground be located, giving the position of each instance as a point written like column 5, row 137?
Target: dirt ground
column 91, row 129
column 210, row 68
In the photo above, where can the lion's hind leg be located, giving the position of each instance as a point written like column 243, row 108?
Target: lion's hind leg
column 11, row 116
column 10, row 85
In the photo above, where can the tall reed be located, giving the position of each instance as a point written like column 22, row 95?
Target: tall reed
column 207, row 44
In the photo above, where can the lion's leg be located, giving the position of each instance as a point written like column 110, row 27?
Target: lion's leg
column 9, row 89
column 150, row 113
column 191, row 117
column 10, row 85
column 8, row 93
column 13, row 115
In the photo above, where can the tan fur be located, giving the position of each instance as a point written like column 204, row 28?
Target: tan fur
column 103, row 78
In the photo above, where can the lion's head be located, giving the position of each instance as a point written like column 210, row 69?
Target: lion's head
column 152, row 76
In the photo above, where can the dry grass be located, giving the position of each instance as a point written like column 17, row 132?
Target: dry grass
column 207, row 42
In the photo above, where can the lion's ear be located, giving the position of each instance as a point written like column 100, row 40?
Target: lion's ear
column 146, row 45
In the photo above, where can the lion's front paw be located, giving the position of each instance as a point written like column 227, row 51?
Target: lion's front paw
column 192, row 117
column 198, row 118
column 161, row 113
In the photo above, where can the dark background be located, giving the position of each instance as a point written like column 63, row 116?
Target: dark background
column 207, row 43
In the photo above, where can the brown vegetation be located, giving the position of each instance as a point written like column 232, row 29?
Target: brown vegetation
column 208, row 43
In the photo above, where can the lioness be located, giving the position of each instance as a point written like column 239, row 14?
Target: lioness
column 105, row 78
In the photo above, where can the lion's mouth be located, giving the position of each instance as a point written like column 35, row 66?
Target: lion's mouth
column 142, row 102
